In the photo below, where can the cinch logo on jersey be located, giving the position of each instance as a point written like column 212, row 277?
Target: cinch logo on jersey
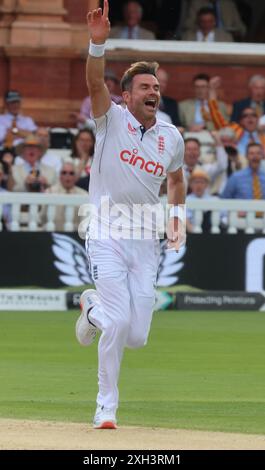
column 135, row 160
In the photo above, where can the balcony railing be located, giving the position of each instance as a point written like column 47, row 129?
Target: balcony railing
column 231, row 214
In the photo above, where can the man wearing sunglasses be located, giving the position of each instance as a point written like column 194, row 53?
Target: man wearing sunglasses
column 66, row 185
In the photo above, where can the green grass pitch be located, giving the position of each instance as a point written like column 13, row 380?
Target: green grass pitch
column 202, row 370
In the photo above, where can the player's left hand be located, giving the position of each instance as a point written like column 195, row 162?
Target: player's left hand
column 176, row 234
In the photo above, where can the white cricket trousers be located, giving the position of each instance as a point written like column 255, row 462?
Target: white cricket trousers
column 124, row 273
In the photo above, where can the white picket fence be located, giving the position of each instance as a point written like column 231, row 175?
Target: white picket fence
column 29, row 221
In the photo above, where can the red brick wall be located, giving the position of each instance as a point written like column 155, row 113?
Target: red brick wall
column 234, row 78
column 3, row 75
column 65, row 78
column 59, row 83
column 77, row 10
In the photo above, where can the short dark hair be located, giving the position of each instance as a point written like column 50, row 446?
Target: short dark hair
column 138, row 68
column 254, row 144
column 192, row 139
column 207, row 10
column 201, row 76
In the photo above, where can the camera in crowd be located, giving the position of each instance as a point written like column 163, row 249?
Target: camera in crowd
column 231, row 151
column 35, row 186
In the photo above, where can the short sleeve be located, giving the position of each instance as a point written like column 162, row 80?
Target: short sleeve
column 114, row 113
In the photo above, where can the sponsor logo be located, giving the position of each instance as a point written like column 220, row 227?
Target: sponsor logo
column 149, row 166
column 73, row 267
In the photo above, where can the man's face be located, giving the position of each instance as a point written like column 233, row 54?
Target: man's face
column 13, row 107
column 257, row 90
column 249, row 120
column 198, row 186
column 254, row 157
column 206, row 23
column 143, row 98
column 132, row 14
column 31, row 153
column 192, row 154
column 85, row 142
column 227, row 141
column 201, row 89
column 67, row 176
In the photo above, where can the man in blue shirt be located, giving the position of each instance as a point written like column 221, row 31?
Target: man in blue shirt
column 248, row 183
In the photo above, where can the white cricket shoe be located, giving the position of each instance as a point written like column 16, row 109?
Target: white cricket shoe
column 104, row 418
column 85, row 330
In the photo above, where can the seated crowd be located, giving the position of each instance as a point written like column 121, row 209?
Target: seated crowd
column 186, row 20
column 224, row 145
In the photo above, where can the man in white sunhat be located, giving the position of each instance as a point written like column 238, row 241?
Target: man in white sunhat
column 133, row 155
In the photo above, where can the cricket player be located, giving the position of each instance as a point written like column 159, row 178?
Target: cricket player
column 134, row 153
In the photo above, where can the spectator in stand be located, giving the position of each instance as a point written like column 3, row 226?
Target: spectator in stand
column 5, row 215
column 167, row 105
column 206, row 28
column 82, row 155
column 48, row 157
column 226, row 12
column 7, row 159
column 84, row 117
column 235, row 160
column 199, row 186
column 14, row 126
column 192, row 160
column 66, row 185
column 194, row 112
column 248, row 183
column 247, row 131
column 256, row 99
column 132, row 14
column 32, row 175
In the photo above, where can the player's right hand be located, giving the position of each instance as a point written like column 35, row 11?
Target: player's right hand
column 176, row 234
column 98, row 24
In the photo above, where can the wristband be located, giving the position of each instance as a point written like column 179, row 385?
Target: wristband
column 178, row 211
column 96, row 50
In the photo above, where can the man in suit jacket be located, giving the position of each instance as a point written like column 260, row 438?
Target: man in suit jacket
column 256, row 99
column 167, row 105
column 206, row 28
column 194, row 112
column 132, row 13
column 228, row 17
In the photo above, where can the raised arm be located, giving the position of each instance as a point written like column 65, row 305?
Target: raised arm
column 99, row 27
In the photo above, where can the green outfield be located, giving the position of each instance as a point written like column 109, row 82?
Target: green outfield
column 199, row 371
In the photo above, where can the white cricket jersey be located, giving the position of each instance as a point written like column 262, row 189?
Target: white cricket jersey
column 128, row 167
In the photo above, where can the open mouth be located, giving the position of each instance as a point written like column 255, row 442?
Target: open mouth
column 150, row 103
